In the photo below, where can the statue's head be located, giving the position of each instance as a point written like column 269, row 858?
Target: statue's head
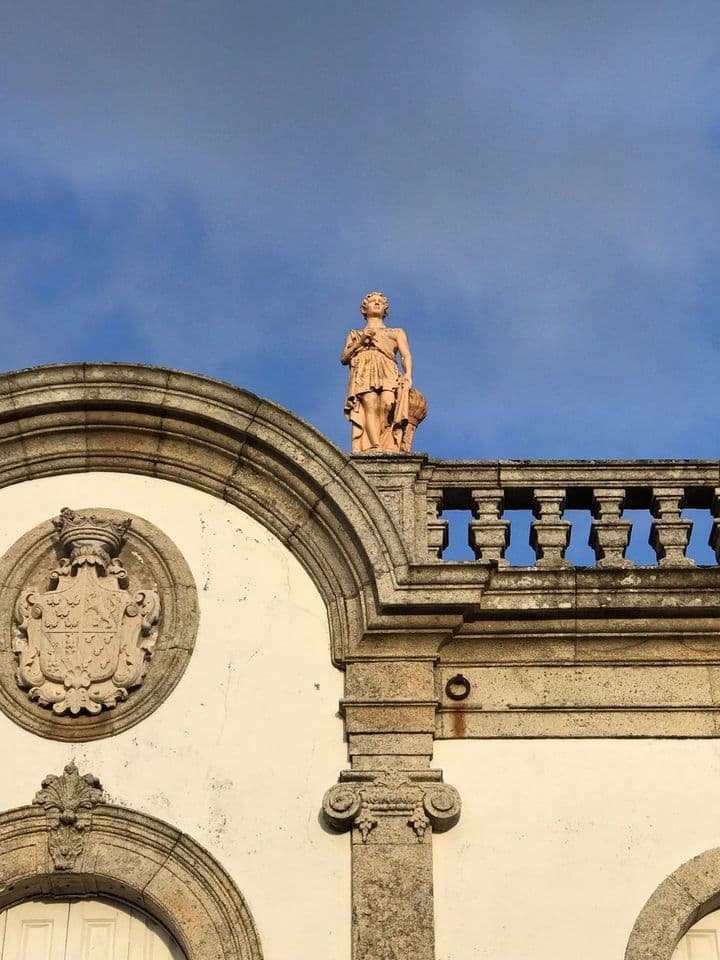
column 377, row 296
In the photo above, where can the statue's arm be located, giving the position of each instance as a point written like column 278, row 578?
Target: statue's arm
column 351, row 345
column 405, row 355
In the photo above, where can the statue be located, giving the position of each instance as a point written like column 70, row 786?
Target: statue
column 381, row 404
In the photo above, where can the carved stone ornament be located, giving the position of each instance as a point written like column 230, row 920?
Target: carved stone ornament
column 85, row 642
column 99, row 614
column 72, row 842
column 68, row 801
column 363, row 800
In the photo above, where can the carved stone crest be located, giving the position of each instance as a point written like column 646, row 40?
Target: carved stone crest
column 98, row 619
column 68, row 802
column 85, row 642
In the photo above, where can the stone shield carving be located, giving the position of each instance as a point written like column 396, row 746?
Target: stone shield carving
column 99, row 616
column 85, row 642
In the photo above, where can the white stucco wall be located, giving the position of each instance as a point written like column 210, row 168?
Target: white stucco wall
column 562, row 842
column 241, row 753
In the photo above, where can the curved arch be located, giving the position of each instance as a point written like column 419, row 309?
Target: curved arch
column 686, row 896
column 220, row 439
column 142, row 861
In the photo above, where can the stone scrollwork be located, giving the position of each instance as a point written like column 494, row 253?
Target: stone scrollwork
column 98, row 618
column 85, row 642
column 68, row 801
column 362, row 800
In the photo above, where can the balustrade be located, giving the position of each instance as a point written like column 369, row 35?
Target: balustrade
column 490, row 530
column 491, row 492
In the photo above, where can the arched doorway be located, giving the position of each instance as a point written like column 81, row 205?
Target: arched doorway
column 702, row 941
column 96, row 929
column 679, row 905
column 137, row 859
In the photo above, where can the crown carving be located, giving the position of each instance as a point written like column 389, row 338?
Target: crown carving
column 79, row 531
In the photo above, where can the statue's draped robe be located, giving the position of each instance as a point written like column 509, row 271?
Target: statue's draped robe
column 375, row 369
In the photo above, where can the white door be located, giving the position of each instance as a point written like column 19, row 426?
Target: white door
column 82, row 930
column 701, row 942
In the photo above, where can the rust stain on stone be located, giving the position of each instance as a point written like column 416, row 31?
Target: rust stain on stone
column 458, row 721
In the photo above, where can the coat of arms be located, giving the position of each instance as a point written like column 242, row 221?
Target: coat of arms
column 86, row 641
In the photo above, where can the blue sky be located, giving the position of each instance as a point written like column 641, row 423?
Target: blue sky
column 214, row 185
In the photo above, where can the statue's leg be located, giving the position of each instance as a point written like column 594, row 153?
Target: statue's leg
column 386, row 407
column 371, row 408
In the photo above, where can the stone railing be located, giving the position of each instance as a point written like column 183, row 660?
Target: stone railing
column 423, row 493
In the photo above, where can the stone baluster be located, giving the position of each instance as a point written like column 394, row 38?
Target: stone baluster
column 549, row 533
column 437, row 528
column 714, row 540
column 670, row 533
column 609, row 535
column 488, row 535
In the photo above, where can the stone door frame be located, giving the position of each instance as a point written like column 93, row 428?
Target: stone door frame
column 141, row 861
column 686, row 896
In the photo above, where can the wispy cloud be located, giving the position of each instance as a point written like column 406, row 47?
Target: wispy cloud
column 215, row 185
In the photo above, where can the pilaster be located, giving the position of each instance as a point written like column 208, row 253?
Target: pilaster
column 391, row 801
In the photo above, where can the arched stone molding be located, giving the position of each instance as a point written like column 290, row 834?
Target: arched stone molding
column 683, row 898
column 225, row 441
column 137, row 859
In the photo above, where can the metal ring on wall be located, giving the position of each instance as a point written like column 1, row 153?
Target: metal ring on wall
column 457, row 681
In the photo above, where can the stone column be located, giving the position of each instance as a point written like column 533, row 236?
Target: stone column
column 437, row 528
column 609, row 535
column 549, row 533
column 488, row 534
column 392, row 815
column 391, row 801
column 714, row 540
column 670, row 533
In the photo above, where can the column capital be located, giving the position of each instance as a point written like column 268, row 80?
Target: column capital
column 391, row 806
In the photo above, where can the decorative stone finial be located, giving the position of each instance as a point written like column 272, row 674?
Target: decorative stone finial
column 381, row 403
column 68, row 801
column 85, row 642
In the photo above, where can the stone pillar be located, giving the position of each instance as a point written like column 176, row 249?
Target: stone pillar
column 714, row 540
column 437, row 528
column 609, row 535
column 391, row 802
column 392, row 815
column 488, row 535
column 670, row 533
column 549, row 533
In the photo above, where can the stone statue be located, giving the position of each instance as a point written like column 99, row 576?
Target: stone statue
column 381, row 404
